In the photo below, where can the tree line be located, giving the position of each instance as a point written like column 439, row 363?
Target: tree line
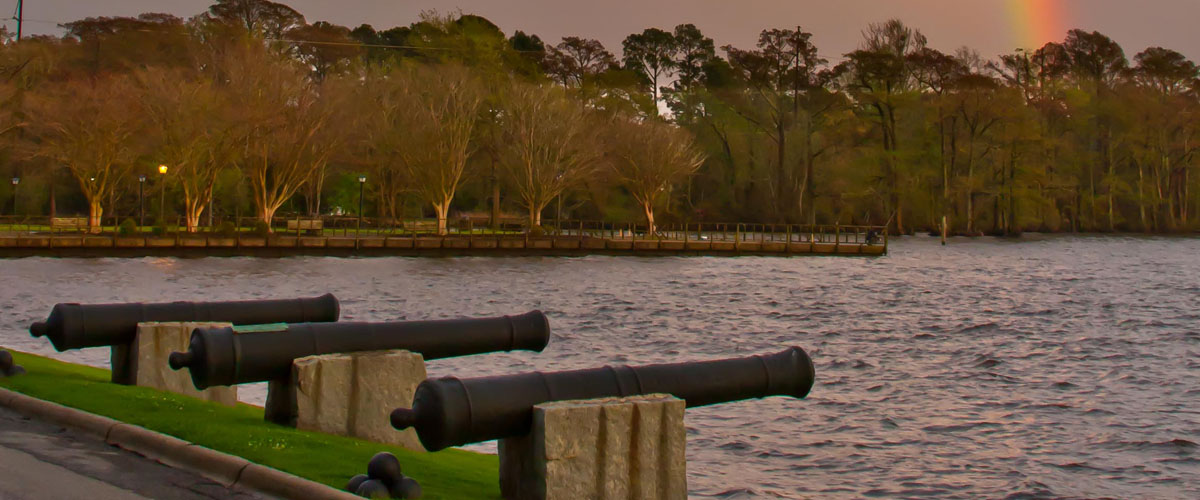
column 253, row 108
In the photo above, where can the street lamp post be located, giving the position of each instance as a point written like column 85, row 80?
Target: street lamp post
column 362, row 182
column 162, row 196
column 558, row 213
column 141, row 201
column 15, row 181
column 94, row 223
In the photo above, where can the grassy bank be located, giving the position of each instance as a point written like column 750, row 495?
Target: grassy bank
column 241, row 431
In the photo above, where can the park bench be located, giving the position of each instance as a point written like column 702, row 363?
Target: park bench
column 420, row 226
column 68, row 224
column 306, row 225
column 483, row 220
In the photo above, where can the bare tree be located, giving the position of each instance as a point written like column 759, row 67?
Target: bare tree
column 263, row 17
column 547, row 145
column 649, row 157
column 283, row 143
column 328, row 145
column 442, row 108
column 382, row 106
column 191, row 133
column 575, row 61
column 324, row 47
column 94, row 129
column 10, row 119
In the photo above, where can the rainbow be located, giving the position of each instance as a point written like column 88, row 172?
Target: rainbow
column 1036, row 22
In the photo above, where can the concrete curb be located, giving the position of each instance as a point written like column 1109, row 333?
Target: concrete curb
column 174, row 452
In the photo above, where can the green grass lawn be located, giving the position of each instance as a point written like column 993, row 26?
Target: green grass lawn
column 241, row 431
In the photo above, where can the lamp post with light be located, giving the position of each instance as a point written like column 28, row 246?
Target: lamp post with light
column 15, row 181
column 162, row 196
column 362, row 182
column 94, row 222
column 141, row 201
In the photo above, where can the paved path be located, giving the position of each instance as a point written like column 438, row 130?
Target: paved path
column 40, row 460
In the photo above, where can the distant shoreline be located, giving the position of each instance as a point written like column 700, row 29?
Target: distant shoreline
column 1033, row 235
column 184, row 245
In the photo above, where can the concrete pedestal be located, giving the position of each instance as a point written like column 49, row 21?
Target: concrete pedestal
column 352, row 394
column 613, row 448
column 144, row 361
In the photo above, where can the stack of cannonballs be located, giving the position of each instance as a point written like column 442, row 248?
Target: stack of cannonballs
column 7, row 367
column 384, row 480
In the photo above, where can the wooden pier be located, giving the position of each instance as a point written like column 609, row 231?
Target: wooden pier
column 464, row 239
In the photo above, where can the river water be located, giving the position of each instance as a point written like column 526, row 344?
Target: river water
column 1043, row 367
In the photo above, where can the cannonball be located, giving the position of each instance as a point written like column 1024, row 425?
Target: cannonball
column 355, row 482
column 384, row 467
column 406, row 488
column 373, row 488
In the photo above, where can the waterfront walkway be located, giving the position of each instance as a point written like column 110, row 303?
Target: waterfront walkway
column 336, row 237
column 40, row 460
column 413, row 245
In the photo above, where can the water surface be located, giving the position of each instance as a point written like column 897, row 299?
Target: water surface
column 1049, row 367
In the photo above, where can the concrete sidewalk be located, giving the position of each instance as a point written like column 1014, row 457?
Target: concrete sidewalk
column 40, row 460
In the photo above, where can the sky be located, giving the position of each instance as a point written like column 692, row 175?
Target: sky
column 991, row 27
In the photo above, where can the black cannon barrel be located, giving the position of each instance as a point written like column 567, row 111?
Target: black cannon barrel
column 450, row 411
column 76, row 326
column 219, row 356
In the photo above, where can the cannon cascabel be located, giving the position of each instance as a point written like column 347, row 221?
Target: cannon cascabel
column 218, row 356
column 450, row 411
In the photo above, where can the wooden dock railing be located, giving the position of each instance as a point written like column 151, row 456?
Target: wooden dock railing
column 462, row 234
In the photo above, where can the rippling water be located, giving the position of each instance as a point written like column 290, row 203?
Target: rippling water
column 1048, row 367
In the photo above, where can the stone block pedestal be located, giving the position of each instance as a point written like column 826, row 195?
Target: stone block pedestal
column 144, row 361
column 612, row 448
column 352, row 394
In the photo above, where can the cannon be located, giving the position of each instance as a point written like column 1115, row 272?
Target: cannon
column 9, row 368
column 219, row 356
column 450, row 411
column 76, row 326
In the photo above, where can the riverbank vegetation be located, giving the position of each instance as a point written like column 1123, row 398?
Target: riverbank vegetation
column 241, row 431
column 253, row 109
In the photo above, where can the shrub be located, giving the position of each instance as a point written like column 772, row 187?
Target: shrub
column 161, row 228
column 226, row 229
column 261, row 228
column 127, row 227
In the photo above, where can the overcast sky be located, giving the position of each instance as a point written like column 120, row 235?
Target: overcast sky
column 989, row 26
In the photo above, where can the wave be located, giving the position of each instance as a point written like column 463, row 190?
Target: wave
column 979, row 327
column 988, row 363
column 960, row 427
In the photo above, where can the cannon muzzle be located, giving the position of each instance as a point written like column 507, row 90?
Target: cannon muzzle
column 76, row 326
column 219, row 356
column 450, row 411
